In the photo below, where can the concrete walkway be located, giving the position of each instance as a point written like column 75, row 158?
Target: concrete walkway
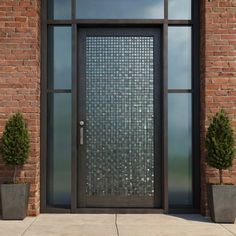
column 115, row 225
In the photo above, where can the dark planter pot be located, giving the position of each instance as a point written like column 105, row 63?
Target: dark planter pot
column 222, row 203
column 14, row 201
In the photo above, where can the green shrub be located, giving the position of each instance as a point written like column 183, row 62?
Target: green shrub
column 220, row 143
column 15, row 142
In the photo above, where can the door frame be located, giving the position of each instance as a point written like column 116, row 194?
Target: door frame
column 74, row 23
column 157, row 97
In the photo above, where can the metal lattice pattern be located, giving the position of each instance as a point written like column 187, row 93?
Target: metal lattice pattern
column 119, row 110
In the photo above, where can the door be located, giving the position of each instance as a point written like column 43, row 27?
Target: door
column 119, row 117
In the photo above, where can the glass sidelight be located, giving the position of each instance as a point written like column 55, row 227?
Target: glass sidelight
column 117, row 155
column 180, row 149
column 59, row 134
column 59, row 116
column 180, row 176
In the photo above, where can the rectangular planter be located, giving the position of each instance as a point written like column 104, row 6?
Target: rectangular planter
column 14, row 201
column 222, row 203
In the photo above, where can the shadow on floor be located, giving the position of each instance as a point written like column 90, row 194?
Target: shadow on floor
column 194, row 217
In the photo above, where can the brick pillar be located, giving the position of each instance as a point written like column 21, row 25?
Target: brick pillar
column 218, row 76
column 20, row 82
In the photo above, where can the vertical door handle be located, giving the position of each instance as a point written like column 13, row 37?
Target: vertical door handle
column 81, row 123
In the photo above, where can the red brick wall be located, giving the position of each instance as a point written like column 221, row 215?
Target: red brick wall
column 20, row 82
column 218, row 75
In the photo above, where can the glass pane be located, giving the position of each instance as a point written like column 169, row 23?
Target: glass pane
column 59, row 125
column 119, row 97
column 59, row 9
column 180, row 149
column 120, row 9
column 179, row 56
column 180, row 9
column 59, row 58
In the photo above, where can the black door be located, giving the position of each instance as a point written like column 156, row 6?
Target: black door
column 119, row 117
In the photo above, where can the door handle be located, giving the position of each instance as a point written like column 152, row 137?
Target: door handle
column 81, row 123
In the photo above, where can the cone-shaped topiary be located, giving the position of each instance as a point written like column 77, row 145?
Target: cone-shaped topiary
column 15, row 142
column 220, row 143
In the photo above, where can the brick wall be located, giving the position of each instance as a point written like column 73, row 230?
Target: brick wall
column 218, row 75
column 20, row 82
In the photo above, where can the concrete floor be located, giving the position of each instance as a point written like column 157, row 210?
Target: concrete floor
column 115, row 225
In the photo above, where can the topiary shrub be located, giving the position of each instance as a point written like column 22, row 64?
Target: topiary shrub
column 220, row 143
column 15, row 142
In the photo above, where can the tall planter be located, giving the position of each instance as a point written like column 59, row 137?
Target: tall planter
column 222, row 203
column 220, row 155
column 14, row 201
column 15, row 151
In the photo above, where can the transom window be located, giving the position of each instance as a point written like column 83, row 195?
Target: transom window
column 119, row 9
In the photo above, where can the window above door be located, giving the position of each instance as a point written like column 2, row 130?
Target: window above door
column 119, row 9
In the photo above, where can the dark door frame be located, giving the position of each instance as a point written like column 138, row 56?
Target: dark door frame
column 120, row 31
column 163, row 24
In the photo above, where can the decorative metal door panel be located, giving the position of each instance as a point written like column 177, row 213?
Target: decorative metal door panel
column 119, row 151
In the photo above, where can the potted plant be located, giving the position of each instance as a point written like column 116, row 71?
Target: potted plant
column 14, row 150
column 220, row 155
